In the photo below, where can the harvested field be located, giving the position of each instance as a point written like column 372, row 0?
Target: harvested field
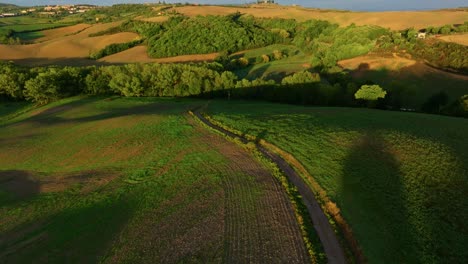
column 370, row 62
column 158, row 19
column 140, row 54
column 460, row 39
column 393, row 20
column 61, row 32
column 405, row 66
column 137, row 181
column 77, row 46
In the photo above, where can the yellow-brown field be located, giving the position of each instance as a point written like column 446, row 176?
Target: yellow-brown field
column 77, row 46
column 371, row 62
column 460, row 39
column 139, row 54
column 393, row 20
column 61, row 32
column 396, row 65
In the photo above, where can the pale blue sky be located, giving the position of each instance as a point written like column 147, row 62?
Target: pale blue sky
column 340, row 4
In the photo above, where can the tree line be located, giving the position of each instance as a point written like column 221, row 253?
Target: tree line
column 208, row 80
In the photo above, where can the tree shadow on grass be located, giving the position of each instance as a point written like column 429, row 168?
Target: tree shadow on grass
column 51, row 116
column 372, row 196
column 82, row 232
column 17, row 185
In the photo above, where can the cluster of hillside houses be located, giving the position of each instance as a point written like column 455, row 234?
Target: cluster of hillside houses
column 52, row 10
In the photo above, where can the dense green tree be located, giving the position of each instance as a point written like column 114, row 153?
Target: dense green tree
column 370, row 93
column 435, row 103
column 301, row 78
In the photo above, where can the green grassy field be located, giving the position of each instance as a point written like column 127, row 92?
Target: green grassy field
column 115, row 180
column 25, row 20
column 400, row 179
column 294, row 61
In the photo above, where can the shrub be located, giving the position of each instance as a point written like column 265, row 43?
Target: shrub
column 370, row 93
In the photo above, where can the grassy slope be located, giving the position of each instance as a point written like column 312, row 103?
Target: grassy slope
column 400, row 179
column 417, row 83
column 276, row 69
column 133, row 180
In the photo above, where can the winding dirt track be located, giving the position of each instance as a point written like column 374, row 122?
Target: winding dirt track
column 331, row 245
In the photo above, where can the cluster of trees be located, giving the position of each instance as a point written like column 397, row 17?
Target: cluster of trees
column 7, row 37
column 329, row 43
column 444, row 55
column 44, row 85
column 448, row 29
column 201, row 35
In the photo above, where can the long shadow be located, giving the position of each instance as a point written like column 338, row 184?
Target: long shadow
column 16, row 186
column 391, row 205
column 372, row 196
column 51, row 116
column 81, row 233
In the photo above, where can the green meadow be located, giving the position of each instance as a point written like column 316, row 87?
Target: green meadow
column 115, row 180
column 400, row 179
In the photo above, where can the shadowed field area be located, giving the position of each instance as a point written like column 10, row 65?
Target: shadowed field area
column 414, row 81
column 135, row 180
column 399, row 179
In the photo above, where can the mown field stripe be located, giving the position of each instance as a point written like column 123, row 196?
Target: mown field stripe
column 330, row 242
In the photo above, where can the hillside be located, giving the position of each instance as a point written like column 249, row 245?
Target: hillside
column 393, row 20
column 398, row 179
column 66, row 45
column 135, row 180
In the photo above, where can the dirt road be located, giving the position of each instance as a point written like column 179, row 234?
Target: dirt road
column 327, row 236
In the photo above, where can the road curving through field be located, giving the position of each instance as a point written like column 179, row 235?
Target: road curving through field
column 330, row 242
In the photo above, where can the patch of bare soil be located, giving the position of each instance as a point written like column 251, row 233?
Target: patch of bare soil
column 25, row 184
column 140, row 54
column 369, row 62
column 324, row 230
column 260, row 225
column 244, row 218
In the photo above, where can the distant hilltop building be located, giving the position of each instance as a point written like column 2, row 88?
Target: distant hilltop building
column 265, row 1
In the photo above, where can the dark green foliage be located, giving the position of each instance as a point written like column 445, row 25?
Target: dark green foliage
column 12, row 81
column 115, row 48
column 53, row 83
column 445, row 55
column 435, row 103
column 301, row 78
column 458, row 108
column 329, row 43
column 370, row 93
column 201, row 35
